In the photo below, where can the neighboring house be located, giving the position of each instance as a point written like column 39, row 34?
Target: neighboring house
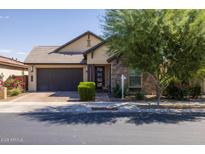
column 9, row 67
column 61, row 68
column 84, row 58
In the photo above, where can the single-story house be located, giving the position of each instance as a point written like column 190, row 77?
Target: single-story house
column 84, row 58
column 10, row 67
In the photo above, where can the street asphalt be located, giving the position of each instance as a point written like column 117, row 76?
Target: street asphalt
column 102, row 128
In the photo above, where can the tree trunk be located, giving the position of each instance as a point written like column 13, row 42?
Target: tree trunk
column 158, row 88
column 158, row 94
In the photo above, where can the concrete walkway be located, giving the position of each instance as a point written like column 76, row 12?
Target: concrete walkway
column 78, row 107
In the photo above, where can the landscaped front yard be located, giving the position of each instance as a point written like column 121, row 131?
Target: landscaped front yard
column 13, row 86
column 69, row 102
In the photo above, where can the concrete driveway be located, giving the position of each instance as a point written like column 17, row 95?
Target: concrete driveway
column 59, row 96
column 31, row 101
column 45, row 102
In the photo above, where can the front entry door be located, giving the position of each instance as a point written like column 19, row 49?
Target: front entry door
column 99, row 77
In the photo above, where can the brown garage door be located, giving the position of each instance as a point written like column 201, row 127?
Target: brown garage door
column 59, row 79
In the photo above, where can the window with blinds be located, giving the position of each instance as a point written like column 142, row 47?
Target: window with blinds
column 135, row 78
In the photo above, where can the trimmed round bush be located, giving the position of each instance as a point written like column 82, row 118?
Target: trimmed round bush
column 86, row 91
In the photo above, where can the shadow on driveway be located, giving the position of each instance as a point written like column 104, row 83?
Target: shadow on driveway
column 73, row 96
column 112, row 117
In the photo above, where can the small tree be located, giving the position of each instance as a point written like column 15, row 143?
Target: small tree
column 185, row 35
column 161, row 43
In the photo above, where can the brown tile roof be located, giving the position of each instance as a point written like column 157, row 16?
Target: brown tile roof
column 11, row 62
column 46, row 55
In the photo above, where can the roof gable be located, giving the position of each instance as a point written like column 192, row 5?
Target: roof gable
column 79, row 44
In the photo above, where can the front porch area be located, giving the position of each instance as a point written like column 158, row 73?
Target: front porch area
column 101, row 75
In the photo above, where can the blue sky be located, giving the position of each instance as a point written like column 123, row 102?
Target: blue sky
column 20, row 30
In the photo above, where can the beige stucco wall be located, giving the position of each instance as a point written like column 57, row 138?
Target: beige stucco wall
column 99, row 56
column 81, row 44
column 32, row 85
column 9, row 71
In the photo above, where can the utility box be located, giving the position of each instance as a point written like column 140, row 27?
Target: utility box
column 3, row 93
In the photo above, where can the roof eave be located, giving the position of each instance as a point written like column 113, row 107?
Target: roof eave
column 14, row 65
column 55, row 63
column 94, row 48
column 110, row 59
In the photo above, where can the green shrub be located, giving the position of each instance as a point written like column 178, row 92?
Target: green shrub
column 176, row 90
column 14, row 92
column 86, row 91
column 90, row 84
column 117, row 91
column 172, row 90
column 140, row 95
column 126, row 91
column 195, row 91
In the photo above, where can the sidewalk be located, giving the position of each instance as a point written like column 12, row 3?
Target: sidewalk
column 87, row 107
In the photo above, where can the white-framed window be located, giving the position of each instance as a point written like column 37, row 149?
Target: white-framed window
column 134, row 78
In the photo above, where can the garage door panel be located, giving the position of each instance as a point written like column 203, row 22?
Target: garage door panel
column 59, row 79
